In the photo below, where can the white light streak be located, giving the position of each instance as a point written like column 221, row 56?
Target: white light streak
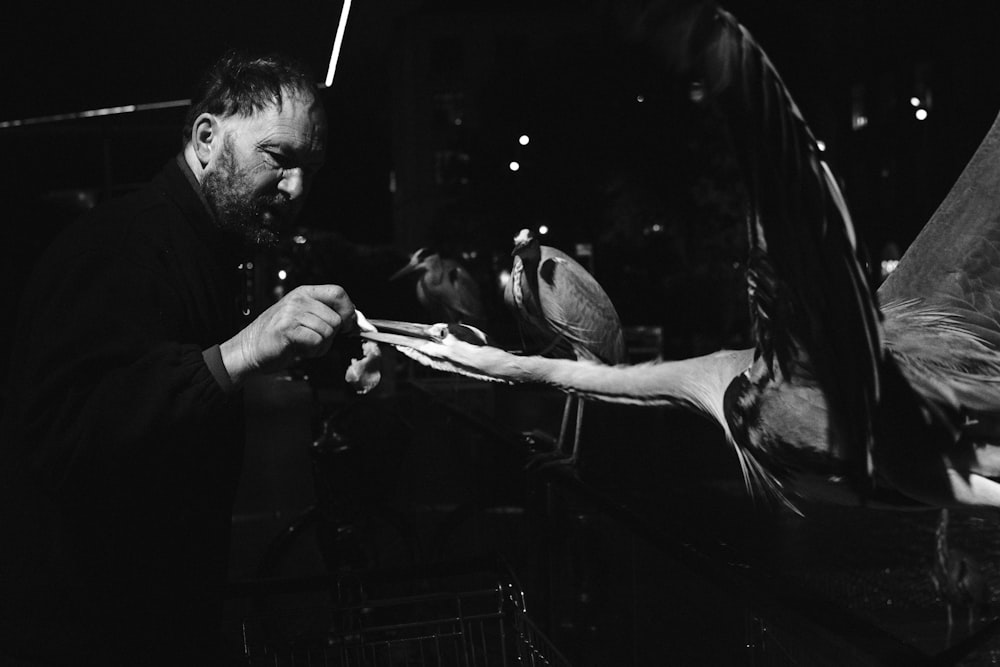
column 94, row 113
column 821, row 145
column 337, row 41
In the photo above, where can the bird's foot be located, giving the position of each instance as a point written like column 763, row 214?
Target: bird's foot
column 539, row 441
column 545, row 453
column 551, row 460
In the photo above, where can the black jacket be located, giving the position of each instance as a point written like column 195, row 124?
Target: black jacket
column 121, row 451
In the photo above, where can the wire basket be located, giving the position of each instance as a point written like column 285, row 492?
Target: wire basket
column 472, row 628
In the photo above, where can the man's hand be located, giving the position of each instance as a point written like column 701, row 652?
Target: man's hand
column 302, row 324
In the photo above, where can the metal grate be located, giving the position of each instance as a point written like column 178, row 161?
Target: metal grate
column 479, row 628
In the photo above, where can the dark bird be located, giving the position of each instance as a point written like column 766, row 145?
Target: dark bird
column 958, row 579
column 562, row 308
column 838, row 400
column 445, row 288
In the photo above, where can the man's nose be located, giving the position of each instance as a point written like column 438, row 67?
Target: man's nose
column 293, row 182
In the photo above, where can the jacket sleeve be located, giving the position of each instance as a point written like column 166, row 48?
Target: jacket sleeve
column 103, row 375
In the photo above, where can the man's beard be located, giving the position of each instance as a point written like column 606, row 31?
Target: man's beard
column 227, row 190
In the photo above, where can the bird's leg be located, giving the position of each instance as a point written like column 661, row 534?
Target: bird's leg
column 576, row 435
column 951, row 627
column 558, row 456
column 567, row 406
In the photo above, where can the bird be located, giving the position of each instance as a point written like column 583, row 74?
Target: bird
column 445, row 288
column 957, row 577
column 887, row 399
column 561, row 307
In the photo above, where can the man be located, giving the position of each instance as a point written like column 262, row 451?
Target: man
column 123, row 432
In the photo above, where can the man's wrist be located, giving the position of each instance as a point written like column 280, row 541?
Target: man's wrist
column 234, row 362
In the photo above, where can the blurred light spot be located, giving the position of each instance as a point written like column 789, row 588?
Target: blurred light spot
column 921, row 114
column 859, row 121
column 282, row 274
column 821, row 145
column 514, row 166
column 697, row 92
column 640, row 98
column 657, row 227
column 504, row 278
column 523, row 140
column 914, row 101
column 299, row 239
column 888, row 266
column 458, row 121
column 543, row 229
column 250, row 266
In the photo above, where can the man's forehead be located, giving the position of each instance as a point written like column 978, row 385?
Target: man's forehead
column 299, row 120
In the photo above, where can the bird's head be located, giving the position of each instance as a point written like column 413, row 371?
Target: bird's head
column 419, row 262
column 525, row 243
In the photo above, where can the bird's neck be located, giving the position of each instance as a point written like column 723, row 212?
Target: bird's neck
column 698, row 383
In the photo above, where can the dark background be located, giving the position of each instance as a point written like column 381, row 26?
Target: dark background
column 561, row 68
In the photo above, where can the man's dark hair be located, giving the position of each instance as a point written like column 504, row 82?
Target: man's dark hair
column 239, row 84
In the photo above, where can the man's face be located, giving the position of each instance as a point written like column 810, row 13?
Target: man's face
column 257, row 180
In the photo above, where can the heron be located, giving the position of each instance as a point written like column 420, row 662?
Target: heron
column 560, row 306
column 887, row 399
column 445, row 288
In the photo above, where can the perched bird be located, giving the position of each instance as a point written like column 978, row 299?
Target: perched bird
column 445, row 289
column 839, row 400
column 563, row 309
column 958, row 578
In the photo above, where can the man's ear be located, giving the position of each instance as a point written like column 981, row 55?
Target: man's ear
column 205, row 132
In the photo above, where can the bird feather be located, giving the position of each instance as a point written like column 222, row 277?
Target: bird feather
column 593, row 328
column 812, row 304
column 954, row 263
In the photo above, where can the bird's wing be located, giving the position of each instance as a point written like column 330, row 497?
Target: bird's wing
column 943, row 359
column 942, row 309
column 577, row 308
column 953, row 265
column 811, row 301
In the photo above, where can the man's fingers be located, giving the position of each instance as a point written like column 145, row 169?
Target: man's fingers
column 324, row 324
column 334, row 297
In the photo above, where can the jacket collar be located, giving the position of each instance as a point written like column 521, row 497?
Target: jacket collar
column 177, row 182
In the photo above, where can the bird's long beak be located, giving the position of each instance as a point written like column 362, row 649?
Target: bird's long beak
column 406, row 270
